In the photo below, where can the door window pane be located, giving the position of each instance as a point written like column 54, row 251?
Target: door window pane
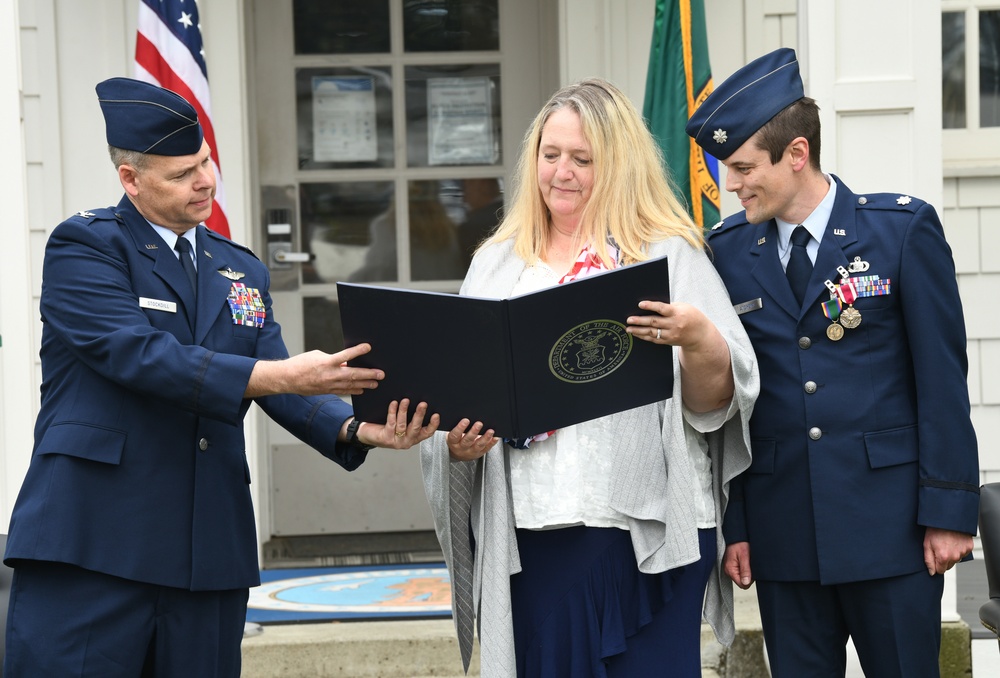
column 341, row 26
column 323, row 331
column 339, row 226
column 482, row 210
column 344, row 117
column 453, row 115
column 451, row 25
column 989, row 68
column 953, row 69
column 436, row 210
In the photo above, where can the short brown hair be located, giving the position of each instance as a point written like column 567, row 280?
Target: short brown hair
column 800, row 119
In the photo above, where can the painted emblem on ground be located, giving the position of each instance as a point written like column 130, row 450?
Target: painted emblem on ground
column 354, row 592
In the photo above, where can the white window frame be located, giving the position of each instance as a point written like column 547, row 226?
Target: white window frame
column 974, row 146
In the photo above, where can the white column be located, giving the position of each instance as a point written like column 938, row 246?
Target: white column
column 16, row 317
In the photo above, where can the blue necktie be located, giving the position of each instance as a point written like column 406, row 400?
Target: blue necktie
column 183, row 247
column 799, row 266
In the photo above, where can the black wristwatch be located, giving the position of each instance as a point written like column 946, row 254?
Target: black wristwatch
column 352, row 435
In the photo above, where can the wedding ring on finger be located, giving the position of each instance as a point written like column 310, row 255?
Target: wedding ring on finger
column 400, row 434
column 657, row 332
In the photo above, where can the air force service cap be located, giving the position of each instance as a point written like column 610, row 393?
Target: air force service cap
column 745, row 102
column 149, row 119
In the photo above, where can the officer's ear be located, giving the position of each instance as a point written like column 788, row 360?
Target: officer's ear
column 130, row 178
column 798, row 151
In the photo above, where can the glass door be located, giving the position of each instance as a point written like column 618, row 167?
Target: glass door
column 385, row 135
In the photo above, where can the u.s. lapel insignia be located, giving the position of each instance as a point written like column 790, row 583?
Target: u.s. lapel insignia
column 230, row 273
column 762, row 240
column 151, row 246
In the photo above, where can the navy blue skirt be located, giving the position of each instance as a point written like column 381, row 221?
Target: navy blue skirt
column 581, row 608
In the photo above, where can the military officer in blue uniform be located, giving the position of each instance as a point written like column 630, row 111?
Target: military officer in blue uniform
column 863, row 489
column 133, row 539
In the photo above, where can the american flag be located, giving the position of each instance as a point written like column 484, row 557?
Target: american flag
column 169, row 53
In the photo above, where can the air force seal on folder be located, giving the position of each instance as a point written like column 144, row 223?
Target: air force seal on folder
column 590, row 351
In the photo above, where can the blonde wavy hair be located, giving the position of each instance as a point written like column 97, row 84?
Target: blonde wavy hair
column 632, row 200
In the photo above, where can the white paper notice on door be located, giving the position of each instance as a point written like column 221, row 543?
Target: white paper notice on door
column 459, row 121
column 344, row 119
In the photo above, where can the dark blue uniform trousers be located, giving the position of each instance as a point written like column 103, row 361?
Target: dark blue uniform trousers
column 895, row 624
column 93, row 625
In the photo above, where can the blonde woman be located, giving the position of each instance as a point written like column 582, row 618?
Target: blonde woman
column 589, row 549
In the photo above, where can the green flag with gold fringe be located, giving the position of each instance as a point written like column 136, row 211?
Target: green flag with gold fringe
column 678, row 80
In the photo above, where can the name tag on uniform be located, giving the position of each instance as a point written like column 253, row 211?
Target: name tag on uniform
column 747, row 306
column 158, row 304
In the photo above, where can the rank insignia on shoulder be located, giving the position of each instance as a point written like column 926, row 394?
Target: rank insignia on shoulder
column 718, row 225
column 903, row 200
column 85, row 214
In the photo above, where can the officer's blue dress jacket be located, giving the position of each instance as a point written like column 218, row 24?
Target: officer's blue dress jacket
column 858, row 444
column 139, row 466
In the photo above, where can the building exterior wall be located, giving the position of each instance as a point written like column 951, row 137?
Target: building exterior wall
column 53, row 52
column 18, row 384
column 971, row 209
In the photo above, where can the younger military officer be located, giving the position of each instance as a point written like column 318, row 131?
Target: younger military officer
column 864, row 485
column 133, row 540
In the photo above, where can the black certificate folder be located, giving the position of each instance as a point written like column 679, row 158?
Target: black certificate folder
column 522, row 365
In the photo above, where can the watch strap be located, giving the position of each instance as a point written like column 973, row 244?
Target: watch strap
column 352, row 435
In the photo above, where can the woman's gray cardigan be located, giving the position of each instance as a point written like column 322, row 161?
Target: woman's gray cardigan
column 653, row 485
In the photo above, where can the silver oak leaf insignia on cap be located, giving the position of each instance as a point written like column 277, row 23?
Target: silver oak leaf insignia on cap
column 720, row 136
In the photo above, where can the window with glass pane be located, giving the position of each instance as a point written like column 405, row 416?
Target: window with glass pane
column 436, row 211
column 341, row 26
column 344, row 117
column 453, row 115
column 953, row 69
column 349, row 228
column 481, row 212
column 322, row 329
column 451, row 25
column 989, row 68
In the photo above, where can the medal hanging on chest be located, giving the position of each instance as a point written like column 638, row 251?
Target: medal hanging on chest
column 850, row 317
column 831, row 309
column 840, row 308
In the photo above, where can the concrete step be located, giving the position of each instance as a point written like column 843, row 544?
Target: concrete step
column 426, row 648
column 419, row 648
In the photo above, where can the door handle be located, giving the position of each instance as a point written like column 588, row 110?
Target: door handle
column 286, row 257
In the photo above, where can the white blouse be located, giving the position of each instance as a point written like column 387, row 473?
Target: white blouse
column 564, row 480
